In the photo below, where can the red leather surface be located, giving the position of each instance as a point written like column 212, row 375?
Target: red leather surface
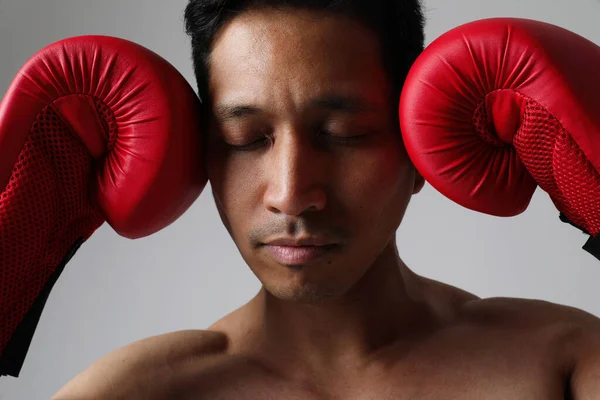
column 93, row 128
column 495, row 107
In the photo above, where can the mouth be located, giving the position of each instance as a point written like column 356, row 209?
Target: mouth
column 293, row 255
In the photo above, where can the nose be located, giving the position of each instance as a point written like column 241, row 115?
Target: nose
column 297, row 177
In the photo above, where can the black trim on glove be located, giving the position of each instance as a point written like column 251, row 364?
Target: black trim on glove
column 13, row 356
column 592, row 246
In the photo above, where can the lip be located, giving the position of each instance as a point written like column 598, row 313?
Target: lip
column 297, row 255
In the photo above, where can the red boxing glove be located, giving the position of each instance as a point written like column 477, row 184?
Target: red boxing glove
column 494, row 108
column 92, row 129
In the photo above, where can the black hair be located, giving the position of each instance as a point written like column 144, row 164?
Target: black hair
column 398, row 24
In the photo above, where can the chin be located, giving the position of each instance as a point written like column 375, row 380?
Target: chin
column 316, row 283
column 304, row 293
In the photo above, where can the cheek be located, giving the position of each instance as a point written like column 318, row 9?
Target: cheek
column 379, row 187
column 372, row 186
column 234, row 183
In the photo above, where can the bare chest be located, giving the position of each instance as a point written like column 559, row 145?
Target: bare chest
column 408, row 387
column 458, row 372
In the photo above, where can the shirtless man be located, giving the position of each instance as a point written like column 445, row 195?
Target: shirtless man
column 311, row 180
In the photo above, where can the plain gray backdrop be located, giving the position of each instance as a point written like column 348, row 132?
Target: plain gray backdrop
column 116, row 291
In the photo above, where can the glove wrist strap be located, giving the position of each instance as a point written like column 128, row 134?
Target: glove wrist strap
column 13, row 356
column 592, row 246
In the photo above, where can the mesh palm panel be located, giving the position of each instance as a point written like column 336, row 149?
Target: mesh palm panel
column 555, row 161
column 44, row 210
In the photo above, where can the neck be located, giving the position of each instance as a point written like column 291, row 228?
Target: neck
column 383, row 307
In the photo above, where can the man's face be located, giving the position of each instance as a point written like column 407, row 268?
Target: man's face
column 304, row 144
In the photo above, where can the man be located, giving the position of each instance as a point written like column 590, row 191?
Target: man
column 311, row 179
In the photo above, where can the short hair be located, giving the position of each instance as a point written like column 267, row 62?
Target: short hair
column 398, row 25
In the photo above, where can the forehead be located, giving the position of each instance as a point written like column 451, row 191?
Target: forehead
column 299, row 51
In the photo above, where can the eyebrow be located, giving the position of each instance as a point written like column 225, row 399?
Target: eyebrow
column 340, row 103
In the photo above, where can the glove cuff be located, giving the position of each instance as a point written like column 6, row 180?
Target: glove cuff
column 13, row 356
column 592, row 246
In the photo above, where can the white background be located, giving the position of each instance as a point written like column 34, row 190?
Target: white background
column 116, row 291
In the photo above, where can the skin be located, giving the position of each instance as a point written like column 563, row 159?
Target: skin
column 292, row 87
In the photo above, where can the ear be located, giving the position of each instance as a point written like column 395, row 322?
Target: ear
column 419, row 182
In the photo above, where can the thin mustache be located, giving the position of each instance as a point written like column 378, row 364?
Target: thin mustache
column 296, row 232
column 304, row 240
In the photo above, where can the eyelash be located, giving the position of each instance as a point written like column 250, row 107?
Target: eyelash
column 344, row 140
column 249, row 146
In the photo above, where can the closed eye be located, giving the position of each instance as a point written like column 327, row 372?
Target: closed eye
column 250, row 146
column 341, row 138
column 323, row 135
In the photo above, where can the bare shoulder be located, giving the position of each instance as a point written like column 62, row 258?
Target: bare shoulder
column 143, row 367
column 570, row 333
column 504, row 312
column 529, row 313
